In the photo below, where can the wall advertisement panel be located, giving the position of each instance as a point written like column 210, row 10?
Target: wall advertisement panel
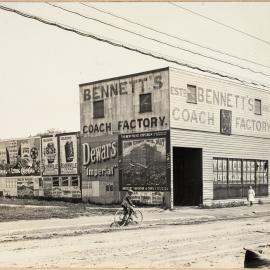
column 25, row 187
column 47, row 186
column 99, row 158
column 62, row 187
column 50, row 156
column 20, row 157
column 152, row 198
column 144, row 161
column 68, row 154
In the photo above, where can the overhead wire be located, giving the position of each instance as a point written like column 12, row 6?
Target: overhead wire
column 172, row 36
column 118, row 44
column 220, row 23
column 157, row 40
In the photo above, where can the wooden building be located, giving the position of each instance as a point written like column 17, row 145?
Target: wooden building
column 174, row 136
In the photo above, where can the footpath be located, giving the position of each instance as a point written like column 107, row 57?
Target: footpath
column 153, row 217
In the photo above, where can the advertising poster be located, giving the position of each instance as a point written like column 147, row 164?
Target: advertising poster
column 20, row 157
column 25, row 188
column 50, row 156
column 144, row 160
column 68, row 154
column 47, row 186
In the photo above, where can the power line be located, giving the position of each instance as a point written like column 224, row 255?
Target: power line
column 158, row 41
column 118, row 44
column 173, row 36
column 220, row 23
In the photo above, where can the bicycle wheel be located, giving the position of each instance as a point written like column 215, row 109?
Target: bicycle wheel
column 115, row 225
column 119, row 215
column 137, row 216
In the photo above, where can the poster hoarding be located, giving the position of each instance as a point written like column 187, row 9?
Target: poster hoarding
column 144, row 161
column 50, row 156
column 68, row 154
column 25, row 187
column 20, row 157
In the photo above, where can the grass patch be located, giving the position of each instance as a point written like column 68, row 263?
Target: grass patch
column 12, row 209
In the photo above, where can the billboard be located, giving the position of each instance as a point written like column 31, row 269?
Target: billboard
column 50, row 156
column 20, row 157
column 144, row 161
column 68, row 154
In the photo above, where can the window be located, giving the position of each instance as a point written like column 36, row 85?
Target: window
column 234, row 171
column 258, row 106
column 74, row 181
column 191, row 94
column 55, row 181
column 261, row 172
column 232, row 177
column 98, row 109
column 220, row 170
column 248, row 172
column 65, row 181
column 145, row 103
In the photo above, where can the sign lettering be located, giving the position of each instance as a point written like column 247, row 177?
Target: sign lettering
column 117, row 88
column 98, row 154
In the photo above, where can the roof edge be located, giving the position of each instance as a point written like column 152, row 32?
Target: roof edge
column 124, row 76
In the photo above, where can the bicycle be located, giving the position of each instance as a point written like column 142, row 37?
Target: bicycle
column 135, row 218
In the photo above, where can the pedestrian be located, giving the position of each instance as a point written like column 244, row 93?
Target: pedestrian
column 251, row 195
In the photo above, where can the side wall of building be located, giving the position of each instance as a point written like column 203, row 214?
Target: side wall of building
column 216, row 145
column 222, row 119
column 121, row 97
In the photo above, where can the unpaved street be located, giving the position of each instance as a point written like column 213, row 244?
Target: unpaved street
column 210, row 244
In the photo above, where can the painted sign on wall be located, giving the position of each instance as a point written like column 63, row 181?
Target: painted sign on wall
column 122, row 102
column 50, row 156
column 212, row 100
column 68, row 154
column 20, row 157
column 99, row 158
column 144, row 161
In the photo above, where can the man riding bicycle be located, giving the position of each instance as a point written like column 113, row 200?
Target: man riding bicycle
column 127, row 206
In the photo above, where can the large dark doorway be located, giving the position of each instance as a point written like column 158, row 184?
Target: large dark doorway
column 187, row 176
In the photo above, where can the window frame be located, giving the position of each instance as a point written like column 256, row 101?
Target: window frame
column 253, row 172
column 260, row 101
column 95, row 114
column 142, row 107
column 191, row 86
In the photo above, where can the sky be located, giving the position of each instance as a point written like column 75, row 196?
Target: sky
column 41, row 66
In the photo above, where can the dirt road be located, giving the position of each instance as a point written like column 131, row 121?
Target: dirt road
column 211, row 244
